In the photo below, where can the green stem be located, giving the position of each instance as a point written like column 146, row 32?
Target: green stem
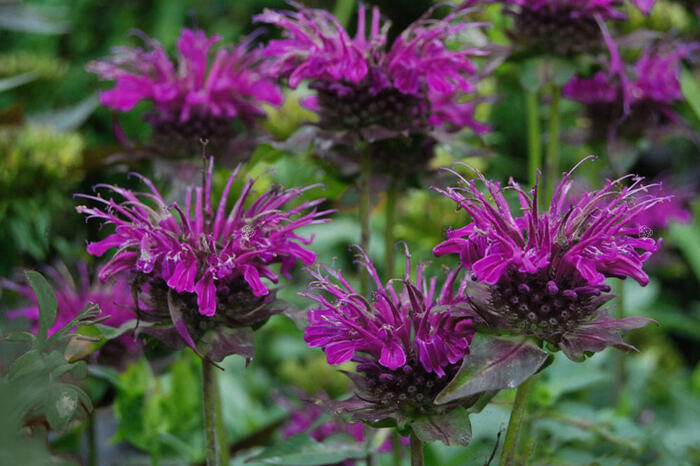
column 209, row 402
column 534, row 135
column 92, row 440
column 396, row 448
column 416, row 451
column 365, row 178
column 220, row 426
column 553, row 145
column 516, row 420
column 389, row 228
column 620, row 363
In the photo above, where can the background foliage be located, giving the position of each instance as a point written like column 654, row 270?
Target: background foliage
column 55, row 140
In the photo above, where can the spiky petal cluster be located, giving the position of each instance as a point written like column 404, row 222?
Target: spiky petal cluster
column 408, row 343
column 391, row 327
column 362, row 82
column 233, row 85
column 114, row 299
column 643, row 93
column 563, row 27
column 203, row 249
column 660, row 216
column 542, row 273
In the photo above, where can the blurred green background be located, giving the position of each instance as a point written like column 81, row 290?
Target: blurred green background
column 55, row 140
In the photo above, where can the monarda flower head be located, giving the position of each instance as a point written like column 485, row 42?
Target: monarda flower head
column 543, row 273
column 562, row 27
column 632, row 99
column 74, row 295
column 407, row 344
column 364, row 85
column 202, row 266
column 195, row 98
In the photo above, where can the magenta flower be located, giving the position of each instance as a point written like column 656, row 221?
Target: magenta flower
column 114, row 299
column 365, row 84
column 562, row 27
column 407, row 343
column 195, row 97
column 543, row 273
column 641, row 96
column 200, row 261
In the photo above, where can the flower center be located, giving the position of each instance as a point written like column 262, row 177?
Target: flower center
column 539, row 306
column 349, row 107
column 559, row 27
column 409, row 389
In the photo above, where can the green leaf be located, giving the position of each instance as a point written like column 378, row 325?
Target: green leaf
column 46, row 299
column 29, row 363
column 20, row 336
column 61, row 405
column 687, row 238
column 451, row 428
column 691, row 90
column 303, row 450
column 15, row 81
column 69, row 118
column 493, row 364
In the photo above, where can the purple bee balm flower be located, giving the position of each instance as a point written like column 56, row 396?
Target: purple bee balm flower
column 195, row 97
column 543, row 273
column 367, row 88
column 202, row 262
column 562, row 27
column 114, row 299
column 640, row 96
column 408, row 343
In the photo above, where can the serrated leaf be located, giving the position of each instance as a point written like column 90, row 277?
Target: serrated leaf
column 46, row 299
column 493, row 364
column 61, row 405
column 303, row 450
column 453, row 428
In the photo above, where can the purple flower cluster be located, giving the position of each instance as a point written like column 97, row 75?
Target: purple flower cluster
column 563, row 27
column 361, row 82
column 203, row 251
column 233, row 85
column 195, row 98
column 642, row 94
column 543, row 273
column 114, row 299
column 413, row 323
column 408, row 343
